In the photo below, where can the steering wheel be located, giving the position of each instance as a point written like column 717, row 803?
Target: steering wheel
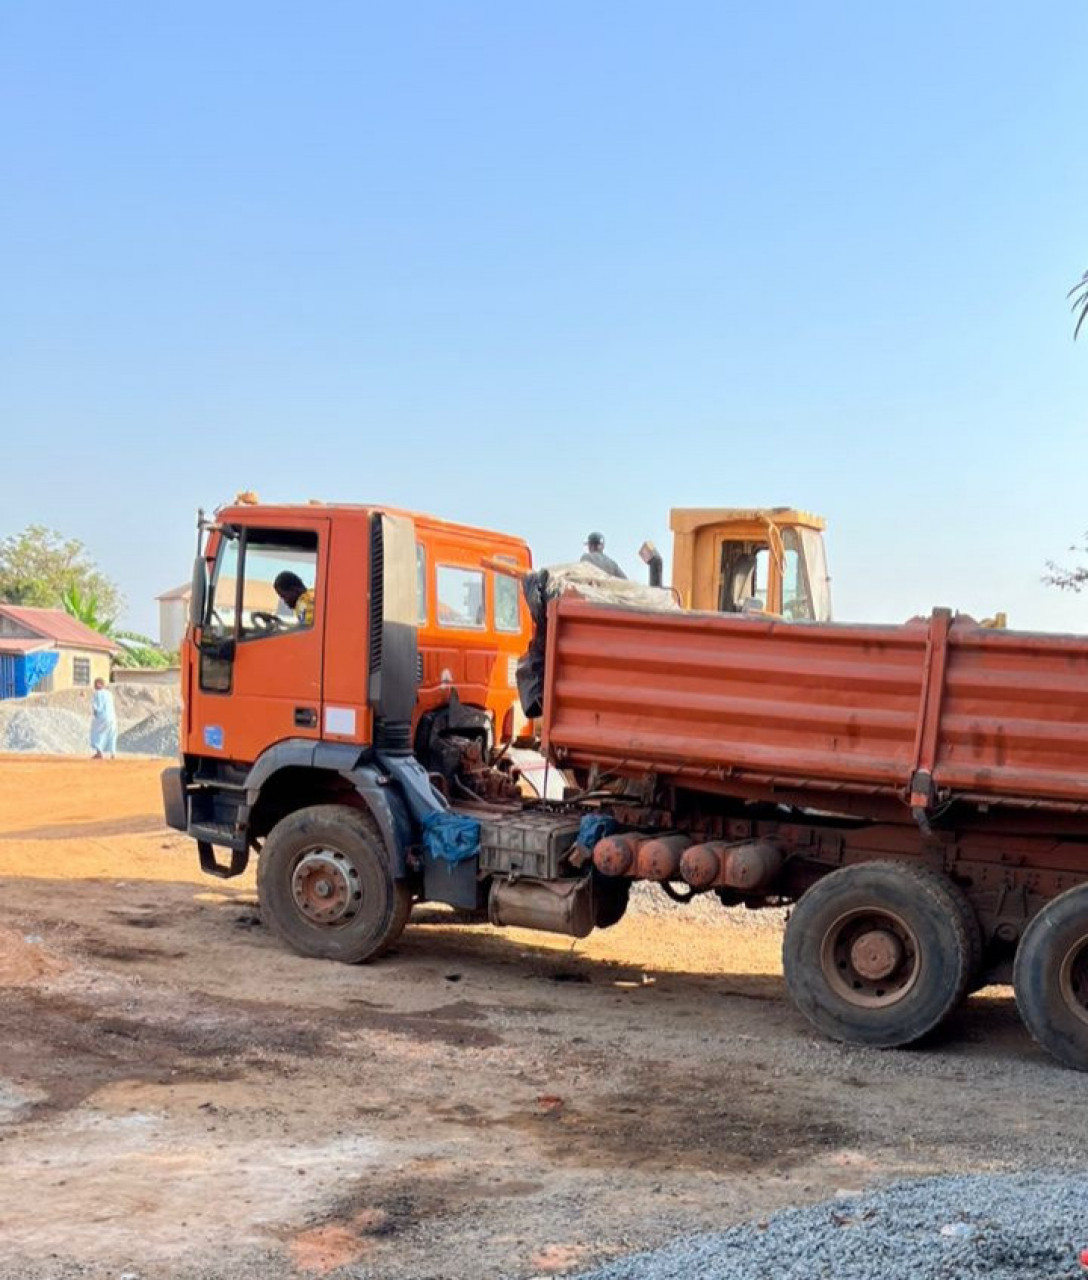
column 265, row 621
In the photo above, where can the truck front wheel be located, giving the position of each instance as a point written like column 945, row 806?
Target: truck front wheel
column 879, row 953
column 1050, row 977
column 326, row 886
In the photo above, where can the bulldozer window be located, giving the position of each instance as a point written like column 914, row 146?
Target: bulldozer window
column 759, row 588
column 743, row 574
column 812, row 545
column 796, row 592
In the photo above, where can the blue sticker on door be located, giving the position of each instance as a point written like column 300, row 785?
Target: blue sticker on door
column 213, row 736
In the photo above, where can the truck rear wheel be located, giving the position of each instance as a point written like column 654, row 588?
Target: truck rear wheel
column 878, row 954
column 326, row 887
column 1050, row 977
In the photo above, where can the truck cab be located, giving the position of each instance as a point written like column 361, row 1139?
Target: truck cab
column 302, row 648
column 247, row 645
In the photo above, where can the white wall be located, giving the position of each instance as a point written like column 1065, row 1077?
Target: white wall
column 173, row 616
column 150, row 675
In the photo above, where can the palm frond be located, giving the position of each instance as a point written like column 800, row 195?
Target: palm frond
column 1079, row 295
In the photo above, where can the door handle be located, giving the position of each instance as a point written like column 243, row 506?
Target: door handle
column 305, row 718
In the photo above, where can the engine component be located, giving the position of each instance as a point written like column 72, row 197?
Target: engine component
column 553, row 906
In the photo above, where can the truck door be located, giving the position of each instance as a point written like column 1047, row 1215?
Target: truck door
column 259, row 668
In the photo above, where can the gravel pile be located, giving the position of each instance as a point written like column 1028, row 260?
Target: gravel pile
column 997, row 1226
column 154, row 735
column 705, row 908
column 131, row 700
column 45, row 731
column 60, row 723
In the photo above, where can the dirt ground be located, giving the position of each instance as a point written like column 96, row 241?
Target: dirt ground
column 180, row 1097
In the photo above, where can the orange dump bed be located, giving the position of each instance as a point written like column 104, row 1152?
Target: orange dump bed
column 925, row 710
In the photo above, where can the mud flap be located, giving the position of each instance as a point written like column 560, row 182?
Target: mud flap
column 174, row 806
column 454, row 883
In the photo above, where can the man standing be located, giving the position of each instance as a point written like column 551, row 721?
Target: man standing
column 103, row 722
column 596, row 556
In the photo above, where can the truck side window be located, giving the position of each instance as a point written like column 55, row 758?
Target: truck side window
column 219, row 616
column 460, row 597
column 421, row 583
column 507, row 613
column 279, row 582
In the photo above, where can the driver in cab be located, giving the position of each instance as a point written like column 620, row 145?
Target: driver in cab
column 296, row 600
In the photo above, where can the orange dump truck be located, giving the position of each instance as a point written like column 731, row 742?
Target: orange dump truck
column 918, row 792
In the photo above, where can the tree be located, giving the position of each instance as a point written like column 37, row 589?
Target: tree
column 1079, row 294
column 86, row 607
column 136, row 650
column 39, row 565
column 1075, row 579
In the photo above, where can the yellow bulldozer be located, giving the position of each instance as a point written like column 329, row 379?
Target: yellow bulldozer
column 768, row 560
column 762, row 560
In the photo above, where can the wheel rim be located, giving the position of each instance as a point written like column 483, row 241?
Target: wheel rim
column 1073, row 979
column 871, row 958
column 325, row 887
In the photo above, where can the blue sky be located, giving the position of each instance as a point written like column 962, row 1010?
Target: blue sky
column 554, row 267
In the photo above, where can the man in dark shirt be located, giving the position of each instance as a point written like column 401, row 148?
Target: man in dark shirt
column 595, row 555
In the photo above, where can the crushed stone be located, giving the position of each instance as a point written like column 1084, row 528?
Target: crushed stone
column 997, row 1226
column 154, row 735
column 704, row 908
column 60, row 723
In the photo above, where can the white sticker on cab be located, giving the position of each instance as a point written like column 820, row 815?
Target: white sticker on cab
column 340, row 720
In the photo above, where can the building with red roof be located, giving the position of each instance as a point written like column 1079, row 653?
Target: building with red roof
column 46, row 649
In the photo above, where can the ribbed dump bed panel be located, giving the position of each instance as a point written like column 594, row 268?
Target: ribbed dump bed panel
column 1014, row 715
column 831, row 706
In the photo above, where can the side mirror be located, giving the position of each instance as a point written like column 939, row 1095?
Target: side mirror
column 198, row 597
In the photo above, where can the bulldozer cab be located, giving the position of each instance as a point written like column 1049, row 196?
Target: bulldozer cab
column 767, row 560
